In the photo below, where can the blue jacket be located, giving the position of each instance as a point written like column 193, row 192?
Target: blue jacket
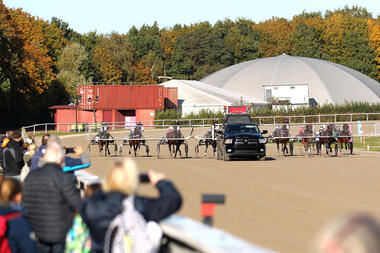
column 18, row 232
column 98, row 210
column 71, row 164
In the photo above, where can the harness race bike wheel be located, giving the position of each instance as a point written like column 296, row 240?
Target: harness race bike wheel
column 336, row 149
column 187, row 150
column 196, row 151
column 219, row 154
column 120, row 150
column 147, row 149
column 158, row 151
column 291, row 147
column 225, row 156
column 308, row 150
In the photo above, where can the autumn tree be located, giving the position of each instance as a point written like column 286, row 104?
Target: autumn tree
column 104, row 63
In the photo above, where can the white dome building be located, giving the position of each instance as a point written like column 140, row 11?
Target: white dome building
column 296, row 80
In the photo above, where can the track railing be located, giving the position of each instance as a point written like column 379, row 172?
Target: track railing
column 262, row 120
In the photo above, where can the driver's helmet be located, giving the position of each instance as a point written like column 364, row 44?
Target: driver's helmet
column 133, row 129
column 139, row 123
column 277, row 127
column 171, row 128
column 321, row 128
column 105, row 128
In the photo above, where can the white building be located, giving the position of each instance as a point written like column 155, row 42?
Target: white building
column 296, row 79
column 194, row 96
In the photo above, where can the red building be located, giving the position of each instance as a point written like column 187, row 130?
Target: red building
column 124, row 104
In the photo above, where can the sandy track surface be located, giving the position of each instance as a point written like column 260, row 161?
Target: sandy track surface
column 279, row 203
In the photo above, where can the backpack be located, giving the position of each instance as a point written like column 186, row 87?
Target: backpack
column 128, row 232
column 4, row 243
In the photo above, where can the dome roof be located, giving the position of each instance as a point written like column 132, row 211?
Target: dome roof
column 328, row 82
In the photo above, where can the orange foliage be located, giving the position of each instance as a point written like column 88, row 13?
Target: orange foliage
column 275, row 36
column 103, row 61
column 374, row 41
column 142, row 73
column 35, row 59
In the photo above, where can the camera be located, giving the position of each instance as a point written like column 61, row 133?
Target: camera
column 70, row 150
column 144, row 178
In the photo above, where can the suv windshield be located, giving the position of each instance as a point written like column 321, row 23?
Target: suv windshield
column 242, row 128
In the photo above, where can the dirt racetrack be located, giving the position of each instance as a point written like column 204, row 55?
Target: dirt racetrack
column 279, row 203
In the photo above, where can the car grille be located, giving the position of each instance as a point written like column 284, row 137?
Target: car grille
column 246, row 142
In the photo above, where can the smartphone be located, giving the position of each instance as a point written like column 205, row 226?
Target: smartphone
column 144, row 178
column 70, row 150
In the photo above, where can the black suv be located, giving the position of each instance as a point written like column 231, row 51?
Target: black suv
column 243, row 140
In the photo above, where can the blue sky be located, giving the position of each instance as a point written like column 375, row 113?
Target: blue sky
column 106, row 16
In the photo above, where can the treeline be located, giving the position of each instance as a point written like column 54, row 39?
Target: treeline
column 42, row 61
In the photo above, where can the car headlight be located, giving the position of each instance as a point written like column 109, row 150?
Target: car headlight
column 262, row 140
column 228, row 141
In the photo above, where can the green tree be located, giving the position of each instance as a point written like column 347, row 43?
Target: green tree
column 69, row 65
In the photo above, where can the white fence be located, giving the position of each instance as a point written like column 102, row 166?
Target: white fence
column 262, row 121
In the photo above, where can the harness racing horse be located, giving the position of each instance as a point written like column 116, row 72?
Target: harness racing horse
column 329, row 138
column 208, row 140
column 135, row 140
column 174, row 138
column 281, row 136
column 344, row 137
column 104, row 138
column 306, row 138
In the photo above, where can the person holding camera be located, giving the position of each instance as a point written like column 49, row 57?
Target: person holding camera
column 103, row 206
column 70, row 163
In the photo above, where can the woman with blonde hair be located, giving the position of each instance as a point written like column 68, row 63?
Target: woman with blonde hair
column 122, row 180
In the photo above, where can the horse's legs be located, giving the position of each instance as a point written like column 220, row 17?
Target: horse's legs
column 214, row 147
column 100, row 148
column 179, row 149
column 130, row 146
column 278, row 147
column 135, row 148
column 205, row 154
column 286, row 147
column 170, row 149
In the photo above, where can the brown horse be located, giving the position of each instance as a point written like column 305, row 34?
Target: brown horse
column 306, row 138
column 344, row 137
column 170, row 139
column 281, row 136
column 136, row 140
column 104, row 139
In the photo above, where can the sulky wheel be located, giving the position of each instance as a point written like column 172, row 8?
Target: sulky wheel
column 308, row 150
column 158, row 151
column 291, row 148
column 187, row 150
column 196, row 151
column 147, row 149
column 120, row 149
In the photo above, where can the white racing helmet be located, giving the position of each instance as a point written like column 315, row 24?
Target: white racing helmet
column 171, row 128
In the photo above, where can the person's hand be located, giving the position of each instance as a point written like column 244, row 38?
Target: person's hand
column 155, row 176
column 78, row 150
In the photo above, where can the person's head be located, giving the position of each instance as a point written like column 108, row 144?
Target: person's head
column 357, row 233
column 11, row 190
column 53, row 139
column 9, row 133
column 54, row 153
column 122, row 177
column 32, row 149
column 16, row 135
column 90, row 189
column 45, row 139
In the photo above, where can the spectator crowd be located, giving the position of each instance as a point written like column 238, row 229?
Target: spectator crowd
column 42, row 208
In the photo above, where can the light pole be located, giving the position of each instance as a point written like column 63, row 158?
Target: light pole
column 77, row 100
